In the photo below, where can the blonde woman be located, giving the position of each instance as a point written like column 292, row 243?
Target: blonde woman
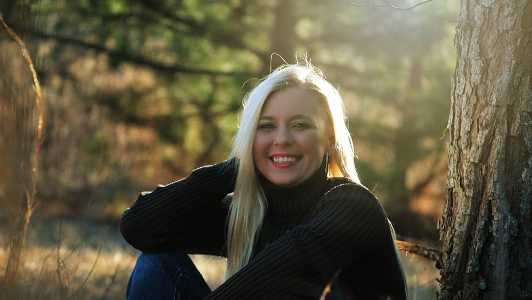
column 299, row 224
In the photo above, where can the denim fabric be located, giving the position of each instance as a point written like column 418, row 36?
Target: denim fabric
column 173, row 275
column 162, row 276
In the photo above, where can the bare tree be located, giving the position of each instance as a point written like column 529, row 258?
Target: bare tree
column 486, row 225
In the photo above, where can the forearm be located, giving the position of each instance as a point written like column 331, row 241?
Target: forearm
column 157, row 220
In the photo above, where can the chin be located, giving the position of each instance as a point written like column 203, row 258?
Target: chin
column 283, row 182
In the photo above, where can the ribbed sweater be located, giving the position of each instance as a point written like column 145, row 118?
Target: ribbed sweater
column 316, row 232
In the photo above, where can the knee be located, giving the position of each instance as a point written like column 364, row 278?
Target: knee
column 166, row 273
column 162, row 261
column 153, row 271
column 151, row 259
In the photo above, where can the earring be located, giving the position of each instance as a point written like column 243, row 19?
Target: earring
column 327, row 164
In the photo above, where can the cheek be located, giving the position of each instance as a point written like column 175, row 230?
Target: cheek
column 259, row 145
column 310, row 142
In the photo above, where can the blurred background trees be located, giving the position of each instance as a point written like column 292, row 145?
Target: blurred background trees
column 140, row 92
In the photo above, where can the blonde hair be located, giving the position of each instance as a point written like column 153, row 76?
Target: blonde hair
column 249, row 205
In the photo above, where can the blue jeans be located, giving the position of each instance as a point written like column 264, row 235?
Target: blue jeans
column 173, row 275
column 170, row 275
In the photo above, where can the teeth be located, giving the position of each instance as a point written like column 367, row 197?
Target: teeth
column 284, row 159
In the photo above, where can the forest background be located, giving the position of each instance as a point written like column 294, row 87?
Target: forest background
column 138, row 93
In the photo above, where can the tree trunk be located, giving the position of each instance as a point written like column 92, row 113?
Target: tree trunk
column 486, row 225
column 283, row 36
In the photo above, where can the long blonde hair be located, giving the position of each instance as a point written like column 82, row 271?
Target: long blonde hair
column 249, row 204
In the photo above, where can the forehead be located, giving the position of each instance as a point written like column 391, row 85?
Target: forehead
column 293, row 101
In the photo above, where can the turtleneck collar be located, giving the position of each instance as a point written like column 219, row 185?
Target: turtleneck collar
column 294, row 200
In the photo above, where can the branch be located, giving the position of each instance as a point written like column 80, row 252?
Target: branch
column 17, row 239
column 165, row 12
column 423, row 251
column 141, row 61
column 82, row 285
column 38, row 99
column 389, row 5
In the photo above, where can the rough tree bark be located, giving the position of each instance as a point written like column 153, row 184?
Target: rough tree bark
column 486, row 225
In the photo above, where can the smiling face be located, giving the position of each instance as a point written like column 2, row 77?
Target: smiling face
column 292, row 137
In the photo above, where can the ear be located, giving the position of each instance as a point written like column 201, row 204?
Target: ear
column 331, row 142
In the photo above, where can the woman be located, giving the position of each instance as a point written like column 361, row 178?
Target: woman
column 298, row 226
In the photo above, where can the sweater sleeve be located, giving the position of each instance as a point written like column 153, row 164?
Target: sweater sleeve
column 188, row 215
column 347, row 224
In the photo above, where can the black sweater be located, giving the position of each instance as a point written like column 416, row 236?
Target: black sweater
column 310, row 233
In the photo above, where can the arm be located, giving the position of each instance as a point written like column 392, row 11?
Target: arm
column 185, row 215
column 347, row 224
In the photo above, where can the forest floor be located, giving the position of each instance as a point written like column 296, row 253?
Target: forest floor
column 76, row 258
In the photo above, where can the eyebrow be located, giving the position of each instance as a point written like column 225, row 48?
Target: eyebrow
column 293, row 117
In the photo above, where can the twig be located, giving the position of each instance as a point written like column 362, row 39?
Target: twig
column 423, row 251
column 444, row 130
column 30, row 196
column 82, row 285
column 389, row 5
column 38, row 99
column 59, row 261
column 17, row 242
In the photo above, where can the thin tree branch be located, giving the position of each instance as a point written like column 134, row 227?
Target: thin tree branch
column 423, row 251
column 59, row 260
column 17, row 241
column 389, row 5
column 82, row 285
column 165, row 12
column 38, row 101
column 141, row 61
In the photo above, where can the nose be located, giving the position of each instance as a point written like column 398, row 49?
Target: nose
column 283, row 137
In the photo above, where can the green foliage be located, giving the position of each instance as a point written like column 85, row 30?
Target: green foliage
column 175, row 72
column 95, row 146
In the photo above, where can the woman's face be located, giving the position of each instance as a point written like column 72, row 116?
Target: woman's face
column 292, row 137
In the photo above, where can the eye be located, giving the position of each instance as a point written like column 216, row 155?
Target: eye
column 267, row 126
column 301, row 125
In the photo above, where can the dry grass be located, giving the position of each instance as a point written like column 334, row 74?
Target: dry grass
column 80, row 259
column 71, row 259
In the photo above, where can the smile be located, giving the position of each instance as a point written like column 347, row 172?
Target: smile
column 284, row 159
